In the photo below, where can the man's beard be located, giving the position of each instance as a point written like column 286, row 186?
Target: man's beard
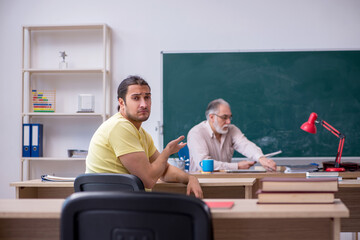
column 219, row 129
column 136, row 118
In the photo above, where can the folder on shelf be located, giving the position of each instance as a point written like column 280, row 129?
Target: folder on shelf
column 36, row 140
column 26, row 138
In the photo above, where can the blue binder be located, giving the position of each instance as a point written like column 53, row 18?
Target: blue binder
column 26, row 140
column 36, row 140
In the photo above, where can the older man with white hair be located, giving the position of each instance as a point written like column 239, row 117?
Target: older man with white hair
column 216, row 138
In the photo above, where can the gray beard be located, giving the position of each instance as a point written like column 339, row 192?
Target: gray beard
column 220, row 130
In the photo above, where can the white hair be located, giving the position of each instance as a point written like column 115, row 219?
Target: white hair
column 213, row 107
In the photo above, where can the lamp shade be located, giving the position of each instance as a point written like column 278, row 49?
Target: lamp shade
column 309, row 126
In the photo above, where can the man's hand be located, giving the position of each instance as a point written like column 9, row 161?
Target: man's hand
column 193, row 186
column 175, row 145
column 267, row 163
column 245, row 164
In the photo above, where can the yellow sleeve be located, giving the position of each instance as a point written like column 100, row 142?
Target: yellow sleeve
column 124, row 138
column 151, row 147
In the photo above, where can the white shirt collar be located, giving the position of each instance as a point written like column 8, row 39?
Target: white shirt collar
column 209, row 130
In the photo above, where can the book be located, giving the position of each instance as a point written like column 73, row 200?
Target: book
column 261, row 168
column 299, row 184
column 219, row 205
column 255, row 169
column 76, row 153
column 57, row 179
column 301, row 168
column 322, row 174
column 295, row 197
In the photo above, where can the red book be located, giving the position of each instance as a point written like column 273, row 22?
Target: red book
column 224, row 204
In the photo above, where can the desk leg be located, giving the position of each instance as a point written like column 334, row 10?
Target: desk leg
column 248, row 192
column 336, row 228
column 17, row 192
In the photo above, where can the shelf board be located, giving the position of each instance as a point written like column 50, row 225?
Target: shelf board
column 54, row 70
column 47, row 114
column 66, row 27
column 52, row 159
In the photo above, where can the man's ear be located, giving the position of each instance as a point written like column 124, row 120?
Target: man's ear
column 121, row 102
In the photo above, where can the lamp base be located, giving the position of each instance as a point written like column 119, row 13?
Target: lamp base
column 349, row 166
column 335, row 170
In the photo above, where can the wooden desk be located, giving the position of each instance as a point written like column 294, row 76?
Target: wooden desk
column 30, row 218
column 40, row 219
column 349, row 193
column 249, row 220
column 38, row 189
column 344, row 175
column 212, row 188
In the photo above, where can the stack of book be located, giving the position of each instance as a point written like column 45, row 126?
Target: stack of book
column 322, row 174
column 297, row 190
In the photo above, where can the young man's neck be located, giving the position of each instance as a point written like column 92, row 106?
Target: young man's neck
column 135, row 123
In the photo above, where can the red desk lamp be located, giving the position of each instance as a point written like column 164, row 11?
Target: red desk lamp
column 310, row 127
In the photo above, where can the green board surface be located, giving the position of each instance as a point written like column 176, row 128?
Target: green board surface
column 271, row 94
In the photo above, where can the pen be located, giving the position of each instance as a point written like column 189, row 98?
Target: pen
column 273, row 154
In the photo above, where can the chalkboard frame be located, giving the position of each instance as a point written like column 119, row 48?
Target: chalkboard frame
column 177, row 99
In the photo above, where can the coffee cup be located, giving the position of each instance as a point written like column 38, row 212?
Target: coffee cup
column 207, row 165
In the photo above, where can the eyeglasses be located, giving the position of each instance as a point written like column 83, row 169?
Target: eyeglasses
column 224, row 117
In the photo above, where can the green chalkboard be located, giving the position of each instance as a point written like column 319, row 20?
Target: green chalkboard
column 271, row 94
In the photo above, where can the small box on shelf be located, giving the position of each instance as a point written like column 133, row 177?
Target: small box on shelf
column 86, row 103
column 76, row 153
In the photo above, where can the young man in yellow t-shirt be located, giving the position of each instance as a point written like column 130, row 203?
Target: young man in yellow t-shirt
column 121, row 145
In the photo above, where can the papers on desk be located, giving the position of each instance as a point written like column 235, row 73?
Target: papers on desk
column 255, row 169
column 245, row 171
column 51, row 178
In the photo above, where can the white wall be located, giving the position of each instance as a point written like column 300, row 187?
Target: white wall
column 141, row 29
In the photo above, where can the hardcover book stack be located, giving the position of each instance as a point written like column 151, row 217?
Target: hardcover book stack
column 297, row 190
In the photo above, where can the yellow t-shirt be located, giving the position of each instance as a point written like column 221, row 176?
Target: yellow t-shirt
column 116, row 137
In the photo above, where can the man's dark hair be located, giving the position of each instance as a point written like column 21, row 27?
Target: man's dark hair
column 124, row 85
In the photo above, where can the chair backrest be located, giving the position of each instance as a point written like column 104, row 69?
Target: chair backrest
column 107, row 182
column 135, row 215
column 184, row 153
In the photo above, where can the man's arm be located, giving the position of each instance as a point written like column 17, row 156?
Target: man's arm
column 174, row 174
column 267, row 163
column 251, row 150
column 149, row 172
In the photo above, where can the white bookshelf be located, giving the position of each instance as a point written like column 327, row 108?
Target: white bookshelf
column 88, row 47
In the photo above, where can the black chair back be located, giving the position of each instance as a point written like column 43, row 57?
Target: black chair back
column 107, row 182
column 135, row 215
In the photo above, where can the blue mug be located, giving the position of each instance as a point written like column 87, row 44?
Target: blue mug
column 207, row 165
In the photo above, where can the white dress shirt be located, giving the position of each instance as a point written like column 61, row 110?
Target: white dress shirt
column 203, row 144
